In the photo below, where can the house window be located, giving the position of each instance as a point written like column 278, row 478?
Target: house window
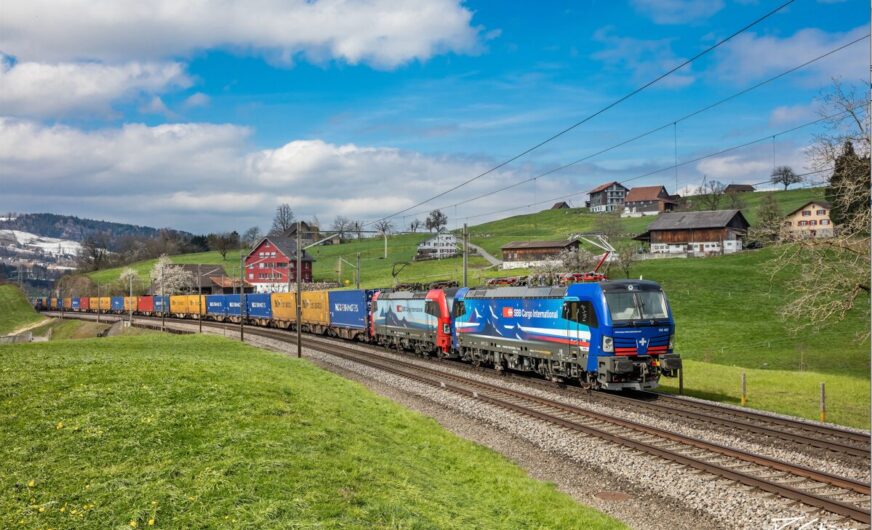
column 250, row 276
column 825, row 221
column 806, row 213
column 813, row 222
column 821, row 212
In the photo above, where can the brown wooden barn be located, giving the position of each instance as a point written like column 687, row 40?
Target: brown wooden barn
column 700, row 233
column 530, row 253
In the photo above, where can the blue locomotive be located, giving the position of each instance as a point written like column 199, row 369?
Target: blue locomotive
column 613, row 335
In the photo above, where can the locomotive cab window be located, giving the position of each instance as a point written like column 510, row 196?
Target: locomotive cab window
column 459, row 309
column 581, row 312
column 431, row 308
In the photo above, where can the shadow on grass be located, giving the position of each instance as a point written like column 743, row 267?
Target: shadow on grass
column 701, row 394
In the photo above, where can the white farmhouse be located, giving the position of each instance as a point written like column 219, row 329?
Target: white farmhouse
column 442, row 245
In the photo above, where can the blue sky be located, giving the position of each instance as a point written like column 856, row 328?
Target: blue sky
column 204, row 120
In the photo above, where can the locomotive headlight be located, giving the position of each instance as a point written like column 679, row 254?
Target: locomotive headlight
column 672, row 341
column 608, row 344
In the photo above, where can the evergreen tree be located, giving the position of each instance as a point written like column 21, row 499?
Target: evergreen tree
column 849, row 168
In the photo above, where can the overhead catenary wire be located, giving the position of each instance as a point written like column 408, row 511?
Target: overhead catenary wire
column 672, row 123
column 598, row 112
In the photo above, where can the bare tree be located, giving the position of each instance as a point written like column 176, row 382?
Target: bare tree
column 283, row 220
column 341, row 225
column 94, row 254
column 223, row 243
column 384, row 226
column 356, row 227
column 414, row 225
column 251, row 236
column 830, row 276
column 567, row 261
column 710, row 194
column 436, row 221
column 784, row 175
column 734, row 200
column 173, row 278
column 609, row 225
column 769, row 223
column 626, row 254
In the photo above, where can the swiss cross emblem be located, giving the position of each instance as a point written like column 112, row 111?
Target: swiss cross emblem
column 508, row 312
column 643, row 341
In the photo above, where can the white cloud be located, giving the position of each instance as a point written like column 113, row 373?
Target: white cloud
column 384, row 33
column 751, row 56
column 42, row 89
column 645, row 59
column 197, row 99
column 787, row 115
column 205, row 177
column 678, row 11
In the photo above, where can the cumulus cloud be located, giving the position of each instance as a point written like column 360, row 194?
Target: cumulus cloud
column 384, row 33
column 786, row 115
column 677, row 11
column 44, row 89
column 752, row 56
column 197, row 99
column 644, row 59
column 206, row 177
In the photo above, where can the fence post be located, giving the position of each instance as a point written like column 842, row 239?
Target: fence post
column 744, row 390
column 823, row 402
column 681, row 381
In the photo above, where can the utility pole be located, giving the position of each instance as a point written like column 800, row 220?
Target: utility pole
column 386, row 244
column 241, row 298
column 98, row 303
column 299, row 296
column 200, row 298
column 163, row 303
column 465, row 256
column 132, row 301
column 357, row 272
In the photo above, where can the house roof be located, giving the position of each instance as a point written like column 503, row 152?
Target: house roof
column 206, row 272
column 825, row 204
column 287, row 246
column 560, row 205
column 602, row 187
column 738, row 187
column 538, row 244
column 696, row 220
column 646, row 193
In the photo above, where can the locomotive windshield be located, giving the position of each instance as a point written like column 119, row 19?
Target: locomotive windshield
column 627, row 306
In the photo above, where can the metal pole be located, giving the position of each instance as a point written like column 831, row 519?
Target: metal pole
column 200, row 298
column 823, row 402
column 241, row 298
column 130, row 308
column 681, row 381
column 465, row 256
column 163, row 303
column 98, row 303
column 299, row 296
column 386, row 244
column 357, row 272
column 744, row 390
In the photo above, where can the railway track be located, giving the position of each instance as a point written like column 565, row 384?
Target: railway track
column 837, row 495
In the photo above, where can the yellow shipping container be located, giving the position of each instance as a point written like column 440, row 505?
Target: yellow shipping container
column 196, row 304
column 53, row 303
column 178, row 304
column 316, row 309
column 105, row 303
column 284, row 307
column 130, row 303
column 68, row 303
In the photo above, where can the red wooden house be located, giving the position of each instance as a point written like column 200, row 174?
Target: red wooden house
column 270, row 262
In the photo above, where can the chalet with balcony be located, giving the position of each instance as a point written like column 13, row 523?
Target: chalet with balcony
column 607, row 197
column 812, row 219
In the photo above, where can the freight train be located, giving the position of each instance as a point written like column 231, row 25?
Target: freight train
column 611, row 335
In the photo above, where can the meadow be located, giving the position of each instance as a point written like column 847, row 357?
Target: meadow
column 203, row 432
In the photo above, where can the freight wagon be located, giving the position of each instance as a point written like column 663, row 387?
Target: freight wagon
column 117, row 304
column 349, row 313
column 258, row 309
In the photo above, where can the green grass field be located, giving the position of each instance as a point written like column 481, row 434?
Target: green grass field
column 194, row 431
column 15, row 310
column 785, row 391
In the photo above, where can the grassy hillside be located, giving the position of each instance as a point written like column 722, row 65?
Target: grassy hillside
column 183, row 432
column 15, row 310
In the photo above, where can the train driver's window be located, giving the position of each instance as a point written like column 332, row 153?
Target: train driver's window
column 581, row 312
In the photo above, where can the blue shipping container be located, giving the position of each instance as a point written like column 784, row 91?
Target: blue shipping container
column 348, row 309
column 117, row 303
column 161, row 304
column 76, row 303
column 258, row 306
column 216, row 304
